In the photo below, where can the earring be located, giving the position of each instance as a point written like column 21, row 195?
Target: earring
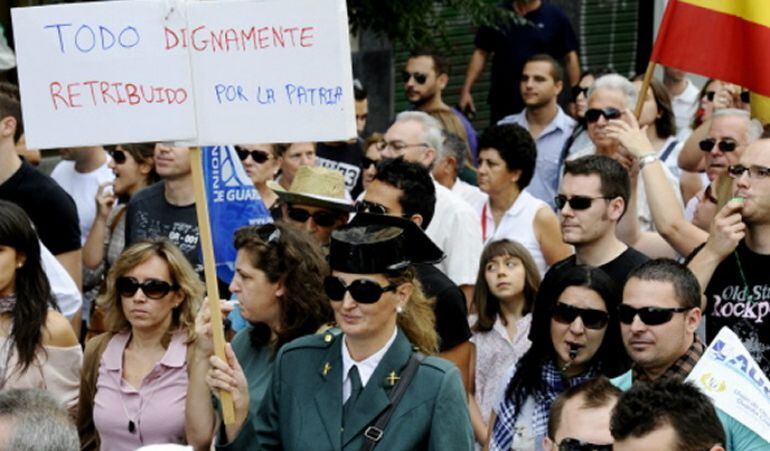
column 399, row 309
column 19, row 265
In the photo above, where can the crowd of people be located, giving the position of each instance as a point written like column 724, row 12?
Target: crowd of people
column 547, row 283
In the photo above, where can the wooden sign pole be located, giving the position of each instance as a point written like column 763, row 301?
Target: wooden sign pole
column 643, row 90
column 210, row 270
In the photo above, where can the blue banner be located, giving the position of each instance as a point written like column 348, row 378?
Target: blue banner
column 233, row 202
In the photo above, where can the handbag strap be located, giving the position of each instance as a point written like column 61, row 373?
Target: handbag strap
column 373, row 434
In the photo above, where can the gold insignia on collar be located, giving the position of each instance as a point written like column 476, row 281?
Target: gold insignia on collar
column 328, row 338
column 392, row 378
column 326, row 368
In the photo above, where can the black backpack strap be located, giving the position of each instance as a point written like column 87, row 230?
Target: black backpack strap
column 373, row 434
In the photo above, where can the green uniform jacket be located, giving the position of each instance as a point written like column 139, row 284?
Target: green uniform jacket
column 302, row 409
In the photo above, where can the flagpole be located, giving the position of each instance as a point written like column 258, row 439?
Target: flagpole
column 209, row 269
column 643, row 89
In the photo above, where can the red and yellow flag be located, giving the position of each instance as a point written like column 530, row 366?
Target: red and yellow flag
column 724, row 39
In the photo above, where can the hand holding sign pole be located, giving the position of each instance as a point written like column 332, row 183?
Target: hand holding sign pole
column 209, row 268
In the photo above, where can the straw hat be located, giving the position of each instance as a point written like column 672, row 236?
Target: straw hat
column 316, row 186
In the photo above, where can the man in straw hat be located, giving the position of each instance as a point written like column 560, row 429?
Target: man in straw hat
column 315, row 202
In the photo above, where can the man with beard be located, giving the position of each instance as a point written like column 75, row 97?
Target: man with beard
column 550, row 127
column 425, row 77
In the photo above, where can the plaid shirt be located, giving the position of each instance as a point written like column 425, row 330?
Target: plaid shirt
column 680, row 368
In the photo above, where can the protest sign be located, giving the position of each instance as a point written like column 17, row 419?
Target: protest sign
column 734, row 382
column 203, row 73
column 233, row 203
column 98, row 73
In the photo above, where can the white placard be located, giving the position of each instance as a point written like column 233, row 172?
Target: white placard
column 270, row 71
column 204, row 73
column 734, row 382
column 100, row 73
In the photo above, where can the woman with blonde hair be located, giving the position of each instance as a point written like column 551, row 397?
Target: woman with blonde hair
column 364, row 384
column 135, row 377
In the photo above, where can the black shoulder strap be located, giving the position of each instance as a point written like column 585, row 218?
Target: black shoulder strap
column 668, row 150
column 373, row 434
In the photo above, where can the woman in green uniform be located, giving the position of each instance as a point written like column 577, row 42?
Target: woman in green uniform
column 338, row 391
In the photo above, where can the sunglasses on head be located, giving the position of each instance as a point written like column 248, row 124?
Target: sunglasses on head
column 118, row 156
column 259, row 156
column 363, row 291
column 152, row 288
column 269, row 233
column 321, row 218
column 418, row 77
column 367, row 162
column 651, row 316
column 592, row 318
column 577, row 90
column 736, row 171
column 573, row 444
column 575, row 202
column 725, row 145
column 593, row 114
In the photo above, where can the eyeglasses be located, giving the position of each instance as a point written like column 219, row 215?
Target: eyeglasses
column 259, row 156
column 746, row 96
column 364, row 206
column 152, row 288
column 367, row 162
column 420, row 78
column 725, row 145
column 651, row 316
column 736, row 171
column 118, row 156
column 398, row 145
column 363, row 291
column 269, row 233
column 593, row 114
column 573, row 444
column 576, row 202
column 321, row 218
column 710, row 95
column 592, row 318
column 577, row 90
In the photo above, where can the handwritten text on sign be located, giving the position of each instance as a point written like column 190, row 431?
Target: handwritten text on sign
column 111, row 72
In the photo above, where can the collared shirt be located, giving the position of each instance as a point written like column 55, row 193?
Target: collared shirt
column 684, row 106
column 681, row 367
column 455, row 230
column 156, row 407
column 545, row 181
column 472, row 195
column 366, row 367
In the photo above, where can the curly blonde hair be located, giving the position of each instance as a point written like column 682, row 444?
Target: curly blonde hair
column 182, row 275
column 418, row 320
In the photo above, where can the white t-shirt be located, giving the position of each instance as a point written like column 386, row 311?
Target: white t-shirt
column 63, row 288
column 82, row 187
column 455, row 230
column 685, row 105
column 470, row 194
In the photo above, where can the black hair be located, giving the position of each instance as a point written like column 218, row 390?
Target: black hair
column 10, row 105
column 33, row 292
column 440, row 64
column 557, row 73
column 418, row 194
column 610, row 359
column 359, row 92
column 686, row 286
column 614, row 178
column 666, row 401
column 515, row 146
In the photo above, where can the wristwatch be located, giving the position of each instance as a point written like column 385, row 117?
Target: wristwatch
column 647, row 159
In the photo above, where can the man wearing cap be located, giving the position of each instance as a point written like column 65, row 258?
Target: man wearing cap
column 315, row 202
column 417, row 137
column 659, row 315
column 364, row 385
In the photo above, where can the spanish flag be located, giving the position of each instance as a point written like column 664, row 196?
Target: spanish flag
column 724, row 39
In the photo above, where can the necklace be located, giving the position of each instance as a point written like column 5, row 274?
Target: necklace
column 133, row 423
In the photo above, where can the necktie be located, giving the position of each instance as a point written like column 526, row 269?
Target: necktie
column 355, row 390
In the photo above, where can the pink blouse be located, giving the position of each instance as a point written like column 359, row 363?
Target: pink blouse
column 155, row 411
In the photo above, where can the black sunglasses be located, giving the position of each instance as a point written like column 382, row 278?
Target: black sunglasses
column 573, row 444
column 651, row 316
column 322, row 218
column 746, row 96
column 725, row 145
column 258, row 156
column 593, row 114
column 152, row 288
column 576, row 202
column 118, row 156
column 269, row 233
column 577, row 90
column 364, row 206
column 367, row 162
column 363, row 291
column 418, row 77
column 710, row 95
column 592, row 318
